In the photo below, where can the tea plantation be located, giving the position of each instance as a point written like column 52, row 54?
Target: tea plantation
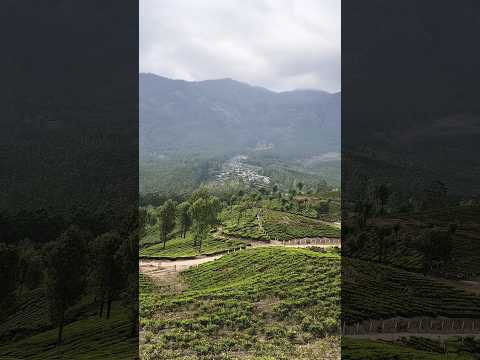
column 179, row 247
column 267, row 224
column 375, row 291
column 356, row 349
column 261, row 303
column 109, row 339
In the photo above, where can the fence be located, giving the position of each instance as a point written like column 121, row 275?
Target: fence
column 414, row 326
column 312, row 241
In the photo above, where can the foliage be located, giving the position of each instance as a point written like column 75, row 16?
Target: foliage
column 203, row 211
column 357, row 349
column 375, row 291
column 182, row 247
column 65, row 264
column 166, row 220
column 260, row 302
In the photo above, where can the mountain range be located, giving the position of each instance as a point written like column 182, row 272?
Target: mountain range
column 226, row 116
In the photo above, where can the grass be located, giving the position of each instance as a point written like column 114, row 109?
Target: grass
column 465, row 242
column 284, row 226
column 263, row 303
column 272, row 224
column 359, row 349
column 375, row 291
column 86, row 339
column 179, row 247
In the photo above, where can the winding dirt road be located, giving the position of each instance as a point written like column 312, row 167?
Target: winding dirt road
column 161, row 268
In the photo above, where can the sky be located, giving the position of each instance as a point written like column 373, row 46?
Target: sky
column 277, row 44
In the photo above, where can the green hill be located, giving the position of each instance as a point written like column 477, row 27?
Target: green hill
column 179, row 247
column 256, row 303
column 85, row 339
column 375, row 291
column 356, row 349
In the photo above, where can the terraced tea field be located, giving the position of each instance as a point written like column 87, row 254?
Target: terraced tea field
column 465, row 255
column 178, row 248
column 272, row 302
column 375, row 291
column 356, row 349
column 86, row 339
column 266, row 224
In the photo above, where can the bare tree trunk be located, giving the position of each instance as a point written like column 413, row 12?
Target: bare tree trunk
column 24, row 275
column 101, row 306
column 60, row 328
column 109, row 307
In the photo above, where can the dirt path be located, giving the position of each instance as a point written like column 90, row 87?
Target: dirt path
column 156, row 268
column 471, row 286
column 162, row 268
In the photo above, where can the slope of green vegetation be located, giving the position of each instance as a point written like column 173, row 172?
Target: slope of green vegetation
column 86, row 339
column 258, row 303
column 31, row 315
column 374, row 291
column 357, row 349
column 403, row 253
column 266, row 224
column 282, row 226
column 242, row 223
column 180, row 247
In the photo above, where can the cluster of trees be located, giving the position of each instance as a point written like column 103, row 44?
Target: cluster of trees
column 433, row 243
column 70, row 258
column 197, row 214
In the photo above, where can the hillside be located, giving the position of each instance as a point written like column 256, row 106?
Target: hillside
column 264, row 302
column 224, row 116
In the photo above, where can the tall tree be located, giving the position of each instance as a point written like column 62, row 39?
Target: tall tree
column 381, row 194
column 184, row 217
column 166, row 220
column 107, row 273
column 9, row 260
column 203, row 211
column 64, row 262
column 299, row 187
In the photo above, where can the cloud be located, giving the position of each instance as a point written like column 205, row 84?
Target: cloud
column 278, row 44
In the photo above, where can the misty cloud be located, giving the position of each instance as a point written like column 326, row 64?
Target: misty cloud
column 278, row 44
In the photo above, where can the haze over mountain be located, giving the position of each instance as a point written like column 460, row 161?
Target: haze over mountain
column 224, row 116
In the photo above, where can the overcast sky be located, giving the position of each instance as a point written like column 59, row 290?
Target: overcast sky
column 278, row 44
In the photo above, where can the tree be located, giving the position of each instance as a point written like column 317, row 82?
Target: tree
column 203, row 211
column 8, row 270
column 435, row 195
column 28, row 261
column 184, row 217
column 64, row 263
column 384, row 241
column 322, row 187
column 299, row 187
column 275, row 188
column 107, row 273
column 425, row 244
column 364, row 211
column 381, row 194
column 323, row 207
column 166, row 220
